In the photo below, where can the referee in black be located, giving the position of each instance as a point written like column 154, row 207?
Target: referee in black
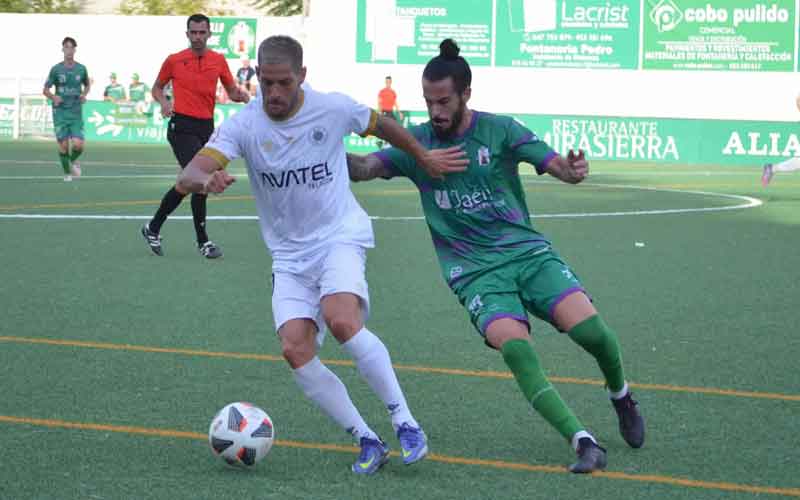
column 194, row 73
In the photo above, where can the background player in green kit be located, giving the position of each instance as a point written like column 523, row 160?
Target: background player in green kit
column 139, row 93
column 71, row 81
column 114, row 91
column 137, row 90
column 493, row 259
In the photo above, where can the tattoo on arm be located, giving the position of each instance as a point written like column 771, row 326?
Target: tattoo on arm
column 364, row 168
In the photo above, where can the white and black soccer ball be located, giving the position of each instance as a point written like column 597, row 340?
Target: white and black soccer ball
column 241, row 434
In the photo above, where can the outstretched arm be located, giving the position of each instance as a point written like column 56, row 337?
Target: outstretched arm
column 203, row 175
column 572, row 169
column 366, row 168
column 436, row 163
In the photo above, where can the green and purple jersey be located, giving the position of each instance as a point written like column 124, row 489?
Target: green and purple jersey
column 69, row 82
column 478, row 218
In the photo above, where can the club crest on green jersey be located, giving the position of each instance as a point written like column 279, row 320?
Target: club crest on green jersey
column 484, row 156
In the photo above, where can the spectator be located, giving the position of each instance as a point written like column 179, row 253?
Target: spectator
column 387, row 102
column 245, row 75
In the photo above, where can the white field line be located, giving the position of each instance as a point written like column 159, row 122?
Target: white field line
column 748, row 202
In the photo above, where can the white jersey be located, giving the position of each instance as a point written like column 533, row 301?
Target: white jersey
column 298, row 174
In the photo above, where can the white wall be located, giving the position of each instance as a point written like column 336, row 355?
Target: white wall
column 121, row 44
column 128, row 44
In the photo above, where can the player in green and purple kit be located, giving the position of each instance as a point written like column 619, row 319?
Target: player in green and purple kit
column 71, row 81
column 493, row 259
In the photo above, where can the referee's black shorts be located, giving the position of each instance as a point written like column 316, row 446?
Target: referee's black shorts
column 187, row 135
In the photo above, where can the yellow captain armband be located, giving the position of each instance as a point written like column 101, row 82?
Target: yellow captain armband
column 373, row 122
column 215, row 155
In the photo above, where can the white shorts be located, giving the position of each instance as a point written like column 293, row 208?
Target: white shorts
column 298, row 295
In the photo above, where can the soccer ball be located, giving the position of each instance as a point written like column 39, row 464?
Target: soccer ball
column 241, row 434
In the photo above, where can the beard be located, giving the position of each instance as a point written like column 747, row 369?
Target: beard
column 447, row 133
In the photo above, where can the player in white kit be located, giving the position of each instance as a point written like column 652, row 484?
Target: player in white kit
column 292, row 142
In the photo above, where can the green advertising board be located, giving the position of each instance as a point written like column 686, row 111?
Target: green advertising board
column 7, row 117
column 233, row 37
column 568, row 33
column 669, row 140
column 102, row 121
column 730, row 35
column 409, row 31
column 661, row 140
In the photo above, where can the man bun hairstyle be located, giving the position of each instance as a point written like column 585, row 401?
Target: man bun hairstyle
column 449, row 49
column 449, row 64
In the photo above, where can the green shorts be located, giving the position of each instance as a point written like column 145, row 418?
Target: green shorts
column 67, row 128
column 536, row 283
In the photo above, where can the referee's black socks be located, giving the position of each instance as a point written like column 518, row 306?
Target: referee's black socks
column 168, row 205
column 199, row 217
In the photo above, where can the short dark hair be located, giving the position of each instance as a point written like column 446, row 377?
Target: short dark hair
column 449, row 64
column 70, row 40
column 280, row 49
column 388, row 77
column 198, row 18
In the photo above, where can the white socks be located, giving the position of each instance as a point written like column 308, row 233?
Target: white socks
column 375, row 365
column 621, row 394
column 322, row 386
column 789, row 165
column 581, row 434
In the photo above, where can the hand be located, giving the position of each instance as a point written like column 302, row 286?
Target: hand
column 166, row 109
column 83, row 98
column 577, row 167
column 218, row 182
column 57, row 100
column 438, row 162
column 244, row 96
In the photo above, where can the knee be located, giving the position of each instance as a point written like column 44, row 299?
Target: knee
column 343, row 326
column 502, row 330
column 297, row 353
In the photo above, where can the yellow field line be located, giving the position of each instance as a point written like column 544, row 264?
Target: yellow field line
column 113, row 203
column 435, row 457
column 411, row 368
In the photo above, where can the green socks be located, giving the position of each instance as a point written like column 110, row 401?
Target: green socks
column 75, row 154
column 64, row 158
column 524, row 364
column 594, row 336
